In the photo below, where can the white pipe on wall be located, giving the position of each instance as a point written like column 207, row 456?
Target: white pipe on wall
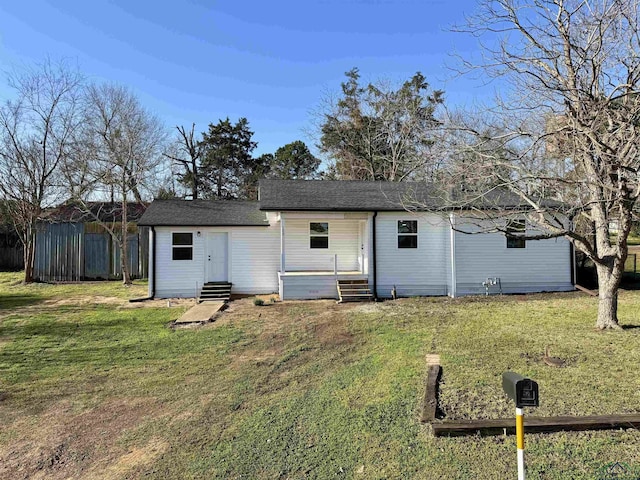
column 452, row 248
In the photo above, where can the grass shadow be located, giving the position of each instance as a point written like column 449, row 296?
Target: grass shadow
column 19, row 300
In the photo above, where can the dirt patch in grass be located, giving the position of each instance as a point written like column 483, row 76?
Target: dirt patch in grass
column 134, row 459
column 164, row 302
column 61, row 444
column 331, row 329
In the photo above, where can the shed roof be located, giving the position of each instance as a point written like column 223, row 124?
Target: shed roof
column 206, row 213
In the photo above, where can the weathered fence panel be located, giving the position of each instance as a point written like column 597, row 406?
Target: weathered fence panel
column 11, row 251
column 68, row 252
column 96, row 256
column 59, row 252
column 132, row 256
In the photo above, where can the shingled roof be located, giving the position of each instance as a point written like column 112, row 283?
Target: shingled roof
column 108, row 212
column 205, row 213
column 353, row 195
column 342, row 195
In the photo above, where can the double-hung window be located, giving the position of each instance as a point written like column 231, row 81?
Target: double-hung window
column 182, row 246
column 515, row 231
column 319, row 235
column 407, row 234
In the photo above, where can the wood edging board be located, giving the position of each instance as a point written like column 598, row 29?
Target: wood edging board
column 430, row 401
column 536, row 424
column 593, row 293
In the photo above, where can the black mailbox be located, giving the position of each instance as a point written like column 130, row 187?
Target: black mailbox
column 521, row 390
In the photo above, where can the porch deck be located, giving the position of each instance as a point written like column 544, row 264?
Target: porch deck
column 312, row 284
column 307, row 273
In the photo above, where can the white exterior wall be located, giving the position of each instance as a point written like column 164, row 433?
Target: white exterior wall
column 182, row 278
column 254, row 258
column 253, row 261
column 413, row 271
column 343, row 241
column 543, row 265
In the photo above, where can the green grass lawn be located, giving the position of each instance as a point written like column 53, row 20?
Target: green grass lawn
column 91, row 388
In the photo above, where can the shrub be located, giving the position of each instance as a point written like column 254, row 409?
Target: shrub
column 258, row 302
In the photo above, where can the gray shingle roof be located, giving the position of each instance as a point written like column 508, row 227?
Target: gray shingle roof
column 341, row 195
column 205, row 213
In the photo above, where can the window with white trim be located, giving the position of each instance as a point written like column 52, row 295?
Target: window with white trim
column 407, row 234
column 182, row 246
column 318, row 235
column 514, row 232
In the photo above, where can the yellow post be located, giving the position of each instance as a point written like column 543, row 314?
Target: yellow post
column 520, row 442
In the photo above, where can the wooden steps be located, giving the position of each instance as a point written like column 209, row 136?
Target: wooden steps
column 215, row 292
column 354, row 291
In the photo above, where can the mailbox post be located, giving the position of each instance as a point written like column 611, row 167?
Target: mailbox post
column 524, row 392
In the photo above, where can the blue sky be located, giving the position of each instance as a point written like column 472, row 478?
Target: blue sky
column 272, row 62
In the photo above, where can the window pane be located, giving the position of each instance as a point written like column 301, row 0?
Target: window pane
column 514, row 229
column 407, row 241
column 182, row 253
column 321, row 228
column 407, row 226
column 515, row 242
column 319, row 242
column 183, row 238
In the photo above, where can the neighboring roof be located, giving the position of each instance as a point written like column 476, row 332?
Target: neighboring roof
column 205, row 213
column 353, row 195
column 108, row 212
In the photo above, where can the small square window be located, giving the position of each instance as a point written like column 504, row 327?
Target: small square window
column 182, row 246
column 319, row 242
column 319, row 235
column 514, row 232
column 407, row 234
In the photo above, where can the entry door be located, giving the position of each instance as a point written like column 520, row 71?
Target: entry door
column 217, row 260
column 361, row 240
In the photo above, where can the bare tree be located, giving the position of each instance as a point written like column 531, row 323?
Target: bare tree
column 565, row 141
column 118, row 149
column 186, row 154
column 377, row 132
column 36, row 130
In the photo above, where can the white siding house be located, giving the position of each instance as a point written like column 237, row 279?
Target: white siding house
column 304, row 237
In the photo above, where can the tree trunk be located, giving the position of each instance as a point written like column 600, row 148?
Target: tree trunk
column 194, row 180
column 124, row 243
column 29, row 258
column 608, row 284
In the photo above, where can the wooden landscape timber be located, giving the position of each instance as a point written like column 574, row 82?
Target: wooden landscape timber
column 500, row 426
column 430, row 400
column 593, row 293
column 535, row 425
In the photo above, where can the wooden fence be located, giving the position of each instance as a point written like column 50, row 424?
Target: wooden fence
column 71, row 252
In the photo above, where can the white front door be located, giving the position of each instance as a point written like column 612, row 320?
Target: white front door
column 361, row 240
column 217, row 260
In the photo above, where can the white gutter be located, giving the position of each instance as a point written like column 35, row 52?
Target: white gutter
column 452, row 249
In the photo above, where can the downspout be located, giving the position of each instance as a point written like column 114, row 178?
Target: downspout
column 152, row 286
column 375, row 262
column 452, row 249
column 572, row 257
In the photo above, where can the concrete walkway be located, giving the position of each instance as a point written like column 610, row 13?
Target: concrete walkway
column 201, row 312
